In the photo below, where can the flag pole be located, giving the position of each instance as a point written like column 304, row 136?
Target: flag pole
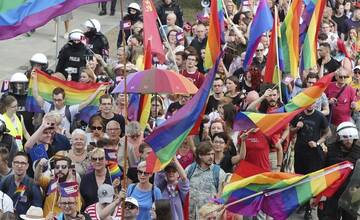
column 277, row 51
column 124, row 183
column 167, row 40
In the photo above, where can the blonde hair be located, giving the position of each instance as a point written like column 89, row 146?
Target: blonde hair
column 208, row 209
column 142, row 164
column 54, row 115
column 89, row 73
column 97, row 151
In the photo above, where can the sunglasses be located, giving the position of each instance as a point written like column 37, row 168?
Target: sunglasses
column 259, row 50
column 343, row 77
column 143, row 173
column 357, row 71
column 130, row 206
column 97, row 158
column 134, row 136
column 67, row 203
column 61, row 166
column 99, row 128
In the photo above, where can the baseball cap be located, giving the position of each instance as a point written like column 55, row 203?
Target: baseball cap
column 132, row 200
column 106, row 193
column 356, row 68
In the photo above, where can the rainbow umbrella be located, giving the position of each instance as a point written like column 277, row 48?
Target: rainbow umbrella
column 156, row 81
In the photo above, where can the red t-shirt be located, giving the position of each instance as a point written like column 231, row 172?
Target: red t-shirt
column 257, row 150
column 341, row 111
column 197, row 78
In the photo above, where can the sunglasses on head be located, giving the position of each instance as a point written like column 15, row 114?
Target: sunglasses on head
column 99, row 128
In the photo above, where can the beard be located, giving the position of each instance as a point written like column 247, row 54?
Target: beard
column 63, row 177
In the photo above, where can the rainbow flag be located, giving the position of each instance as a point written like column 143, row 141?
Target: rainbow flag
column 215, row 35
column 290, row 31
column 271, row 123
column 167, row 138
column 309, row 51
column 20, row 16
column 279, row 194
column 114, row 170
column 75, row 93
column 21, row 189
column 275, row 59
column 262, row 22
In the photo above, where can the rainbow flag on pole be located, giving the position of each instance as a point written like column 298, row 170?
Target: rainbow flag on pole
column 262, row 22
column 279, row 194
column 20, row 189
column 309, row 51
column 114, row 170
column 275, row 60
column 271, row 123
column 168, row 137
column 20, row 16
column 216, row 33
column 75, row 93
column 290, row 34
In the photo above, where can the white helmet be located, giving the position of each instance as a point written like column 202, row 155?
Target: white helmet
column 92, row 23
column 39, row 58
column 19, row 77
column 76, row 34
column 347, row 130
column 135, row 6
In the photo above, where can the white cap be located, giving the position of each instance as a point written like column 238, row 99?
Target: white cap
column 356, row 67
column 347, row 130
column 132, row 200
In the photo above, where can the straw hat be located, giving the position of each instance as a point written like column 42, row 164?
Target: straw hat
column 33, row 213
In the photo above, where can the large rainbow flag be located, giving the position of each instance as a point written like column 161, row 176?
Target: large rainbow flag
column 75, row 93
column 309, row 51
column 279, row 194
column 215, row 35
column 262, row 22
column 271, row 123
column 20, row 16
column 168, row 137
column 290, row 31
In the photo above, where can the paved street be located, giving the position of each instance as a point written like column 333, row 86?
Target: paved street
column 16, row 52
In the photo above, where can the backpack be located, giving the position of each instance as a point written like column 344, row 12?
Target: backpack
column 152, row 192
column 215, row 172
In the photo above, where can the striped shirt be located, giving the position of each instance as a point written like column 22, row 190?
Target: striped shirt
column 91, row 210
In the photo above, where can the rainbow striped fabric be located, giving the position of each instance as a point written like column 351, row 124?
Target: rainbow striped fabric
column 309, row 51
column 290, row 31
column 114, row 170
column 20, row 189
column 262, row 22
column 279, row 194
column 275, row 59
column 20, row 16
column 75, row 93
column 215, row 35
column 271, row 123
column 167, row 138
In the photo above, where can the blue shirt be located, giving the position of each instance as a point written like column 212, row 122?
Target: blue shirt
column 22, row 201
column 144, row 198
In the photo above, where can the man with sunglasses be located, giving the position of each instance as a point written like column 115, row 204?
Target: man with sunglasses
column 20, row 187
column 62, row 173
column 131, row 208
column 342, row 98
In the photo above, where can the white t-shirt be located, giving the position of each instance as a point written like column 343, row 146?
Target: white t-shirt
column 65, row 123
column 6, row 203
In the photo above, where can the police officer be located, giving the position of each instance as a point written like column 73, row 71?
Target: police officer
column 18, row 87
column 96, row 40
column 73, row 56
column 133, row 16
column 39, row 61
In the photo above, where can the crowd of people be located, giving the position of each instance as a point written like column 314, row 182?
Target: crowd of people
column 42, row 152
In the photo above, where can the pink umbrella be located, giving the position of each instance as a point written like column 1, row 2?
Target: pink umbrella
column 156, row 81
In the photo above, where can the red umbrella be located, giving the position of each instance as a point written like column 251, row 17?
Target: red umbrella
column 156, row 81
